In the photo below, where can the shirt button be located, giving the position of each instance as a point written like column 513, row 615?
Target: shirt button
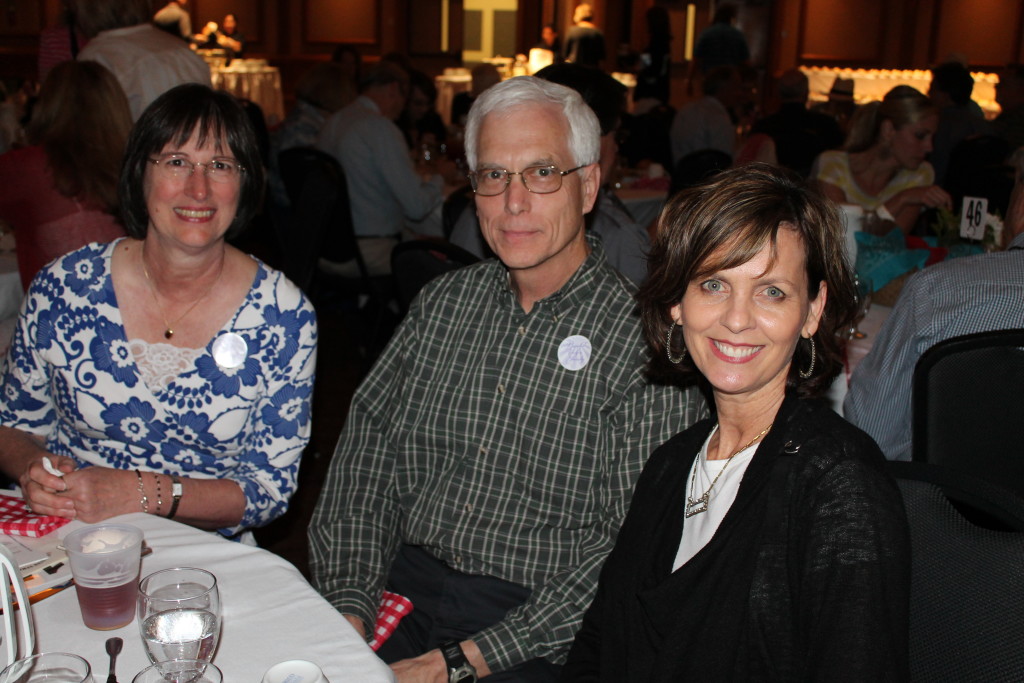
column 483, row 450
column 457, row 559
column 522, row 331
column 468, row 507
column 501, row 388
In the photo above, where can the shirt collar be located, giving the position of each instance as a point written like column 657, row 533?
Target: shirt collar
column 579, row 287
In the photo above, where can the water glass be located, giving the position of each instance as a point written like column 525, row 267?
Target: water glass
column 180, row 671
column 179, row 614
column 48, row 667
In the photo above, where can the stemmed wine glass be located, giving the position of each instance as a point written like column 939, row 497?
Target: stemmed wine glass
column 864, row 289
column 179, row 614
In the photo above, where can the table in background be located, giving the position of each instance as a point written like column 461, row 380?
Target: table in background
column 644, row 204
column 270, row 613
column 856, row 350
column 255, row 81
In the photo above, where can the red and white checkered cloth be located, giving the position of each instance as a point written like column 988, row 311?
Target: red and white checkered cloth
column 15, row 519
column 391, row 610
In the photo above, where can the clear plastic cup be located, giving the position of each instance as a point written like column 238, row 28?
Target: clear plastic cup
column 48, row 667
column 105, row 561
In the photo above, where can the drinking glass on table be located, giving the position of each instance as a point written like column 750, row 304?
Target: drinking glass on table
column 105, row 561
column 180, row 671
column 864, row 291
column 179, row 614
column 48, row 667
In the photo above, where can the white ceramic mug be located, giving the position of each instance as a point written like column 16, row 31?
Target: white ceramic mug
column 295, row 671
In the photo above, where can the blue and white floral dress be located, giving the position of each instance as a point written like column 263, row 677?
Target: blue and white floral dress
column 71, row 377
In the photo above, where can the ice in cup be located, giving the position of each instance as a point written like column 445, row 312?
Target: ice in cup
column 105, row 561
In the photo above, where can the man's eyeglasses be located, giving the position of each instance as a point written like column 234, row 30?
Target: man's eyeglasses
column 219, row 170
column 537, row 179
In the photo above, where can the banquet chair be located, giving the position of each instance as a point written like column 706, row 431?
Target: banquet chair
column 322, row 228
column 416, row 262
column 964, row 405
column 966, row 584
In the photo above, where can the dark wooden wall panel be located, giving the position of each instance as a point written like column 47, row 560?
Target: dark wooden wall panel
column 987, row 32
column 330, row 21
column 842, row 31
column 21, row 19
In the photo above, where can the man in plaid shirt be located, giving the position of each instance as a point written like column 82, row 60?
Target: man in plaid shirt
column 488, row 459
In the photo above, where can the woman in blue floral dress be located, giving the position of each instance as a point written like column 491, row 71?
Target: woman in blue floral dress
column 167, row 372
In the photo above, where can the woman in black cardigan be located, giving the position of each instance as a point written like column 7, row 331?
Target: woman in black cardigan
column 767, row 542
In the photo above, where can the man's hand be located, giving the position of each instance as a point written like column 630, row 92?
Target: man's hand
column 357, row 624
column 430, row 667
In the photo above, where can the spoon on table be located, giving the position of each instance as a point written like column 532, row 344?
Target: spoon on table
column 113, row 649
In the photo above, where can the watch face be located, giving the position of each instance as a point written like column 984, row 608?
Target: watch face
column 463, row 675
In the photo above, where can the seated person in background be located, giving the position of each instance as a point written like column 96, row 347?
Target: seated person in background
column 384, row 188
column 800, row 135
column 488, row 458
column 351, row 60
column 548, row 51
column 146, row 61
column 840, row 104
column 60, row 193
column 323, row 90
column 882, row 167
column 224, row 37
column 484, row 76
column 625, row 242
column 420, row 122
column 949, row 299
column 175, row 19
column 707, row 123
column 1009, row 125
column 584, row 44
column 166, row 372
column 959, row 117
column 787, row 559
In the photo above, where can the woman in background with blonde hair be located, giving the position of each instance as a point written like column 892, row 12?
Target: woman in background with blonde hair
column 883, row 166
column 60, row 193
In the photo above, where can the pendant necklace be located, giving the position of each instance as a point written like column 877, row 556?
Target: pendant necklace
column 169, row 326
column 699, row 505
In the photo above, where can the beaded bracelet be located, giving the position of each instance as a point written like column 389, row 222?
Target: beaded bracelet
column 159, row 498
column 144, row 501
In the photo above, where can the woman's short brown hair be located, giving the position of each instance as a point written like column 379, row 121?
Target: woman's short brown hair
column 727, row 222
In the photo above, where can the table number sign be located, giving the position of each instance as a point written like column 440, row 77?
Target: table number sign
column 972, row 218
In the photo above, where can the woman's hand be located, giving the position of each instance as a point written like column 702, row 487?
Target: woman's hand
column 931, row 196
column 43, row 490
column 99, row 493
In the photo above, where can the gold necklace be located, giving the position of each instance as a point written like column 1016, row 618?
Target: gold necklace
column 169, row 332
column 695, row 507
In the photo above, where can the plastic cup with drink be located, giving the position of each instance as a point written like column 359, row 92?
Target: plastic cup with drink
column 105, row 561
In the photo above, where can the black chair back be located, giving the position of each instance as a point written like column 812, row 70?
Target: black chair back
column 966, row 406
column 416, row 262
column 967, row 585
column 322, row 219
column 978, row 167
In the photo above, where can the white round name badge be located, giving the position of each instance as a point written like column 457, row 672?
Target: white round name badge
column 574, row 352
column 230, row 350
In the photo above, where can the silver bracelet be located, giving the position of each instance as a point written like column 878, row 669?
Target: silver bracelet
column 144, row 500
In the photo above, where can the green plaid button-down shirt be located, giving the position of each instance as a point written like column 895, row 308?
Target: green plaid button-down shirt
column 471, row 439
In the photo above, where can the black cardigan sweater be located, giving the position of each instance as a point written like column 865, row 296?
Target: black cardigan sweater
column 806, row 579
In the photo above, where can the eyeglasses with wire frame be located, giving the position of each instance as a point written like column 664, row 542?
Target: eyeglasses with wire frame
column 541, row 179
column 219, row 169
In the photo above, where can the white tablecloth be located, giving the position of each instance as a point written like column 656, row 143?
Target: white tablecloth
column 261, row 84
column 271, row 613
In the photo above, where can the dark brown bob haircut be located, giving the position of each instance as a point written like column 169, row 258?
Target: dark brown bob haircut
column 723, row 224
column 173, row 117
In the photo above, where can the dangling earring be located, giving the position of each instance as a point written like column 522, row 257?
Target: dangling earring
column 814, row 356
column 668, row 346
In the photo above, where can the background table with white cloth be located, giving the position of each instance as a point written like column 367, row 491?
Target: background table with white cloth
column 270, row 612
column 253, row 80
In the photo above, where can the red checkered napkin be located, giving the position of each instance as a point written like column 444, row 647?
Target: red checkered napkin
column 391, row 610
column 15, row 519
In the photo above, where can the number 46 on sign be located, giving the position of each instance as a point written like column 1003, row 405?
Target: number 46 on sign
column 972, row 218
